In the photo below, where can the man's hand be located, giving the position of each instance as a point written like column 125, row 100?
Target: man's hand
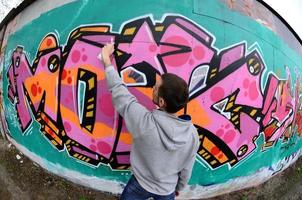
column 106, row 53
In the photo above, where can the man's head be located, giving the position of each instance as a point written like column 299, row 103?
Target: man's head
column 170, row 93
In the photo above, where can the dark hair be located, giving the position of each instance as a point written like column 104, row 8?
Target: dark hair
column 174, row 90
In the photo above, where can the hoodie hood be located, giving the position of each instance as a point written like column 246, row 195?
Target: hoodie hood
column 175, row 131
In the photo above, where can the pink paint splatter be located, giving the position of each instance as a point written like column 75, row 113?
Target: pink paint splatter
column 198, row 52
column 152, row 48
column 246, row 83
column 182, row 58
column 92, row 147
column 217, row 94
column 253, row 92
column 229, row 136
column 84, row 58
column 75, row 56
column 105, row 105
column 220, row 132
column 43, row 62
column 67, row 126
column 104, row 147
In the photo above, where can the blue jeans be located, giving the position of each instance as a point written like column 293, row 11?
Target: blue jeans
column 133, row 191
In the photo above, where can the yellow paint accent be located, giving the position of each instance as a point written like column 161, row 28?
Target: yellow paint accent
column 87, row 160
column 257, row 65
column 232, row 161
column 90, row 107
column 89, row 114
column 73, row 33
column 209, row 156
column 212, row 75
column 54, row 142
column 232, row 98
column 68, row 141
column 214, row 70
column 80, row 157
column 82, row 74
column 253, row 112
column 213, row 162
column 76, row 36
column 201, row 152
column 237, row 109
column 235, row 117
column 91, row 83
column 76, row 155
column 91, row 99
column 251, row 60
column 229, row 105
column 89, row 127
column 129, row 31
column 159, row 28
column 119, row 53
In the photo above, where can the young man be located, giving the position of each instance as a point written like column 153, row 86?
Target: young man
column 164, row 145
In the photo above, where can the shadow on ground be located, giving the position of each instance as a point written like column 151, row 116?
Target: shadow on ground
column 22, row 179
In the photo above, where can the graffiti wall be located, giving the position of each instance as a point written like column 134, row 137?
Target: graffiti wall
column 245, row 93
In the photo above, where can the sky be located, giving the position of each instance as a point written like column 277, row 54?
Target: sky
column 6, row 6
column 290, row 10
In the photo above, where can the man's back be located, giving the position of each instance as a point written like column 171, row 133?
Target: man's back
column 164, row 149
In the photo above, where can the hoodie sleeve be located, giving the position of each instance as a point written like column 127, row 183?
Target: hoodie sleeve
column 134, row 114
column 185, row 173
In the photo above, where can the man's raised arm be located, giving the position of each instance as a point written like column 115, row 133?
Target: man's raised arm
column 134, row 114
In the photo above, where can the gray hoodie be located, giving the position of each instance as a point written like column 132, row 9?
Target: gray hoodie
column 164, row 146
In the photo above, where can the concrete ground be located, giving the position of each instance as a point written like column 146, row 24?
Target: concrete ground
column 22, row 179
